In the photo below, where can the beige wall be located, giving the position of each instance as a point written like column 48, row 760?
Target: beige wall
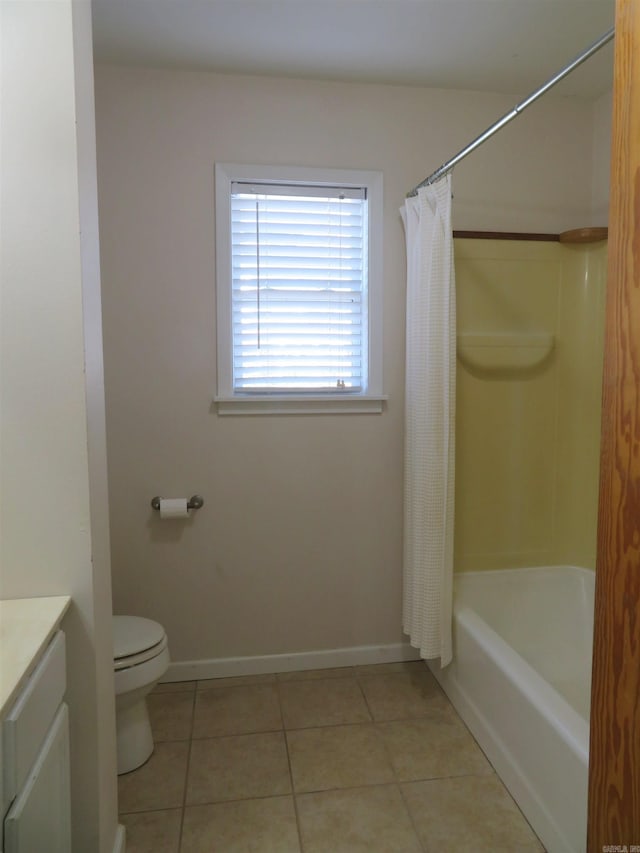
column 298, row 546
column 53, row 512
column 602, row 109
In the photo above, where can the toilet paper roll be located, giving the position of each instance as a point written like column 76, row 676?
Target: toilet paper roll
column 173, row 508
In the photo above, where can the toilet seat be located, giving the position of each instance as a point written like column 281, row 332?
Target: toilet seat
column 136, row 640
column 142, row 657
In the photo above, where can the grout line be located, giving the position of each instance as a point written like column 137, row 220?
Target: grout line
column 294, row 797
column 186, row 776
column 413, row 823
column 334, row 789
column 366, row 701
column 293, row 790
column 156, row 692
column 295, row 676
column 428, row 716
column 149, row 811
column 229, row 685
column 348, row 788
column 239, row 734
column 328, row 725
column 239, row 800
column 279, row 698
column 387, row 752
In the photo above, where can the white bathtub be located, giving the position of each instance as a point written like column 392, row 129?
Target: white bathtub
column 520, row 679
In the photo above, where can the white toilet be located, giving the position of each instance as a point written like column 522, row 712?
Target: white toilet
column 140, row 659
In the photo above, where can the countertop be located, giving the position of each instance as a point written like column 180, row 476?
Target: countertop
column 26, row 626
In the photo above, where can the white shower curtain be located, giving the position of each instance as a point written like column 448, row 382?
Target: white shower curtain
column 429, row 455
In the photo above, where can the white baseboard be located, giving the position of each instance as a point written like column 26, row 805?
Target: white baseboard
column 194, row 670
column 119, row 844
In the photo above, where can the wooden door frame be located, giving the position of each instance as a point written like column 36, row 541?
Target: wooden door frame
column 614, row 766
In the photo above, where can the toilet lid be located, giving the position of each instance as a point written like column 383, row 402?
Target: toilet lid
column 133, row 634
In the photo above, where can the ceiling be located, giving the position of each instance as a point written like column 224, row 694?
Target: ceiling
column 509, row 46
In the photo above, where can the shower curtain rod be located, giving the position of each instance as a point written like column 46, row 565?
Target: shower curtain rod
column 448, row 166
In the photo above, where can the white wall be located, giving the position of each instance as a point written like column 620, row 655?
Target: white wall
column 602, row 110
column 298, row 546
column 54, row 536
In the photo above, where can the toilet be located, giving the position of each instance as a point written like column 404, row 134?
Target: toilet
column 140, row 659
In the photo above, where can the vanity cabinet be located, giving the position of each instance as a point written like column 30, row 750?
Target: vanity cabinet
column 35, row 785
column 39, row 818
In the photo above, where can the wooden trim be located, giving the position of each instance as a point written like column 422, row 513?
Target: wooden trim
column 614, row 769
column 584, row 235
column 577, row 235
column 505, row 235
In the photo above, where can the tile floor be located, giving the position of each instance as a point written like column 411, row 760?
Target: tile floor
column 366, row 758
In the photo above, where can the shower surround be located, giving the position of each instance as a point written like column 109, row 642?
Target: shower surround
column 530, row 347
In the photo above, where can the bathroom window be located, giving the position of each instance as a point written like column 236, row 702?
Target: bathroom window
column 298, row 288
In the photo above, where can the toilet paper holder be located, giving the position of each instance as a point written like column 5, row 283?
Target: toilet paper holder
column 194, row 502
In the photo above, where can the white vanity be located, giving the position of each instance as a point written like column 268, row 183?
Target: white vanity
column 34, row 742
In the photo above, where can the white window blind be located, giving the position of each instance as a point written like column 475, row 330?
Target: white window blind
column 299, row 288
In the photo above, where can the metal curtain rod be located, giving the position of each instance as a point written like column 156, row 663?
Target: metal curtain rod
column 582, row 57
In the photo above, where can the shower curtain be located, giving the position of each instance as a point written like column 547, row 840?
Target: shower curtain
column 429, row 455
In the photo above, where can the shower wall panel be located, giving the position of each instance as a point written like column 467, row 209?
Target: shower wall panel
column 581, row 339
column 530, row 320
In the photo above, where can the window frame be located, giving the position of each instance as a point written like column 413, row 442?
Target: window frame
column 229, row 401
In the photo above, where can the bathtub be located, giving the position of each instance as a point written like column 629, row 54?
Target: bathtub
column 520, row 679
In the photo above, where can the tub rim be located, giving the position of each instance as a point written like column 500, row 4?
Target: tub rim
column 552, row 706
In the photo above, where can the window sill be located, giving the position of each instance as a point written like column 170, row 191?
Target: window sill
column 325, row 404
